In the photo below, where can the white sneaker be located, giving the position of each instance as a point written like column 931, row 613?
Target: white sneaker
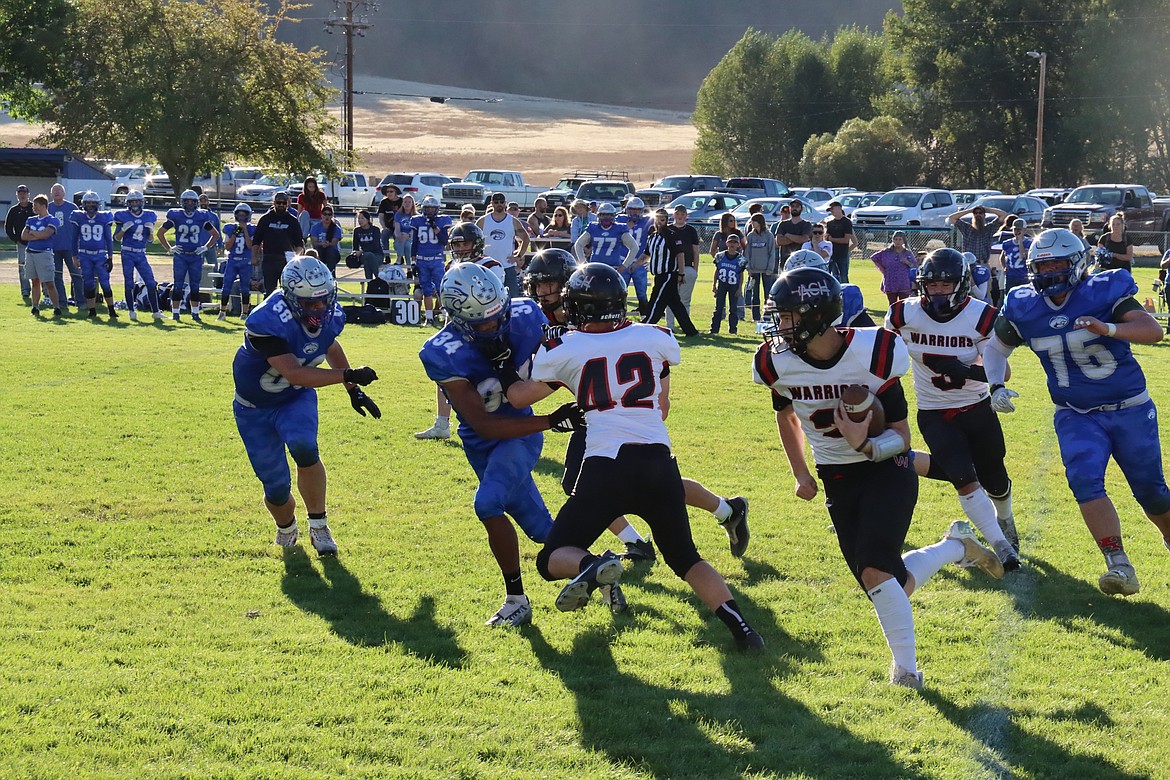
column 516, row 611
column 906, row 679
column 974, row 553
column 133, row 316
column 322, row 540
column 287, row 537
column 222, row 316
column 158, row 315
column 1120, row 580
column 436, row 431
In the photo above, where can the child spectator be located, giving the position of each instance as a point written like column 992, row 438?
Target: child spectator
column 729, row 266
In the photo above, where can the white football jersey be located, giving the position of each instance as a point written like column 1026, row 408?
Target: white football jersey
column 963, row 336
column 873, row 357
column 616, row 377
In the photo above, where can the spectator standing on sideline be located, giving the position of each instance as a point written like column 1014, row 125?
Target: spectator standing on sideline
column 14, row 227
column 1078, row 229
column 559, row 227
column 367, row 241
column 310, row 203
column 793, row 231
column 684, row 242
column 979, row 232
column 38, row 258
column 211, row 255
column 725, row 286
column 762, row 262
column 539, row 219
column 60, row 210
column 326, row 236
column 134, row 228
column 238, row 268
column 277, row 233
column 581, row 219
column 1118, row 244
column 1015, row 256
column 666, row 266
column 500, row 233
column 727, row 226
column 839, row 231
column 467, row 213
column 819, row 244
column 895, row 262
column 390, row 203
column 403, row 236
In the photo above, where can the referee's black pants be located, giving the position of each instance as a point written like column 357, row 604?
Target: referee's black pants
column 666, row 296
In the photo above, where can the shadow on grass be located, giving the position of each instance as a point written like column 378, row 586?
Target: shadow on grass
column 1011, row 751
column 672, row 732
column 359, row 618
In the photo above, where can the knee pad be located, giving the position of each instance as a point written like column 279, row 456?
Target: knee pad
column 90, row 291
column 489, row 500
column 176, row 293
column 999, row 495
column 304, row 454
column 542, row 563
column 997, row 485
column 277, row 495
column 681, row 564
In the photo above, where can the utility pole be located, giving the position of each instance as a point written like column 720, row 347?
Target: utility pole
column 351, row 16
column 1043, row 57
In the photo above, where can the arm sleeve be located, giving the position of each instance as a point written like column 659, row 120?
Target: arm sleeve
column 995, row 358
column 1126, row 305
column 1007, row 332
column 893, row 400
column 268, row 346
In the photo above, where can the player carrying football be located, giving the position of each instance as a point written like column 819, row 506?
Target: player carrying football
column 1081, row 327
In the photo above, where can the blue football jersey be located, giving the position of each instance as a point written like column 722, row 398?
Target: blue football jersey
column 980, row 276
column 429, row 241
column 607, row 243
column 1015, row 259
column 640, row 229
column 852, row 303
column 139, row 228
column 240, row 250
column 95, row 235
column 258, row 383
column 447, row 356
column 189, row 229
column 728, row 269
column 1084, row 370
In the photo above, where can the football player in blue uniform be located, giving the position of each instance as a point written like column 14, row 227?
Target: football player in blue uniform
column 238, row 240
column 1081, row 327
column 134, row 227
column 639, row 227
column 607, row 238
column 93, row 250
column 189, row 223
column 426, row 249
column 502, row 443
column 276, row 370
column 853, row 313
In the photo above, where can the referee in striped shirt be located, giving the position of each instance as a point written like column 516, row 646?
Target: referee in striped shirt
column 664, row 265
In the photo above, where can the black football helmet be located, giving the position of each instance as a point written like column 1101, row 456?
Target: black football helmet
column 812, row 297
column 595, row 292
column 548, row 265
column 944, row 265
column 466, row 232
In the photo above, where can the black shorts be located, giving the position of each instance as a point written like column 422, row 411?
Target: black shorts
column 968, row 445
column 871, row 505
column 574, row 454
column 643, row 480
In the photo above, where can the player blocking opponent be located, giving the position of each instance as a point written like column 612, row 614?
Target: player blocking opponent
column 276, row 370
column 134, row 227
column 870, row 484
column 619, row 373
column 1081, row 329
column 501, row 442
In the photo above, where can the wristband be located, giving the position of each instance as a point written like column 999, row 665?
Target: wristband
column 995, row 387
column 886, row 445
column 1111, row 330
column 508, row 376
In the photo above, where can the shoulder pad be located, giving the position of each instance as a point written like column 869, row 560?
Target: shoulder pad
column 986, row 320
column 885, row 344
column 764, row 366
column 1115, row 283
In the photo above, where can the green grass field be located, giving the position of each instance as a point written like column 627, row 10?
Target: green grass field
column 151, row 629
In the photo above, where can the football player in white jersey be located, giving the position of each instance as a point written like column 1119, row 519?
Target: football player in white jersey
column 620, row 374
column 870, row 484
column 945, row 331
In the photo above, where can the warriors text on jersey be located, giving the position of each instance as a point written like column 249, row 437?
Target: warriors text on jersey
column 257, row 382
column 617, row 377
column 447, row 357
column 962, row 336
column 873, row 357
column 607, row 243
column 1084, row 370
column 137, row 229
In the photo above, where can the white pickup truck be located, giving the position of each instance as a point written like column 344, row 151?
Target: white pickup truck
column 351, row 190
column 478, row 187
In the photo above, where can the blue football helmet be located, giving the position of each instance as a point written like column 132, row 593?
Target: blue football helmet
column 1057, row 244
column 135, row 202
column 189, row 200
column 473, row 295
column 90, row 202
column 307, row 280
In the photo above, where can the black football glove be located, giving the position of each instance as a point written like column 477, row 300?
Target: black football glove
column 497, row 351
column 567, row 418
column 951, row 367
column 361, row 402
column 554, row 331
column 109, row 264
column 360, row 376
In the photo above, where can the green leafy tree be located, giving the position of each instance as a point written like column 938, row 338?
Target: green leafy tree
column 876, row 154
column 31, row 49
column 190, row 84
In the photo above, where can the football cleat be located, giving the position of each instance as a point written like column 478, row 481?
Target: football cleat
column 1007, row 555
column 974, row 553
column 1120, row 580
column 222, row 316
column 606, row 570
column 287, row 537
column 436, row 431
column 615, row 597
column 133, row 316
column 195, row 317
column 1008, row 526
column 158, row 315
column 36, row 312
column 750, row 642
column 641, row 550
column 175, row 316
column 905, row 678
column 322, row 540
column 736, row 526
column 516, row 611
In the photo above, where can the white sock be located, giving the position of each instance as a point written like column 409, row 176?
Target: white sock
column 1003, row 506
column 318, row 522
column 723, row 511
column 430, row 315
column 175, row 308
column 925, row 562
column 981, row 512
column 897, row 618
column 629, row 534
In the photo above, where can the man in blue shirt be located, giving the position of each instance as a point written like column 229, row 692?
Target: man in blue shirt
column 211, row 255
column 430, row 231
column 134, row 227
column 1015, row 256
column 276, row 371
column 60, row 209
column 191, row 225
column 501, row 443
column 1081, row 328
column 38, row 233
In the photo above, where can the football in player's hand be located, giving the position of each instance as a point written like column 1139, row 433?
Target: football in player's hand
column 857, row 401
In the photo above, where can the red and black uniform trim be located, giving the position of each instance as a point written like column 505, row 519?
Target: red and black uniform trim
column 897, row 315
column 764, row 367
column 881, row 364
column 986, row 322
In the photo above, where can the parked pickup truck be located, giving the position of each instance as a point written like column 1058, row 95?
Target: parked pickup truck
column 565, row 191
column 477, row 188
column 670, row 187
column 1094, row 204
column 351, row 190
column 754, row 187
